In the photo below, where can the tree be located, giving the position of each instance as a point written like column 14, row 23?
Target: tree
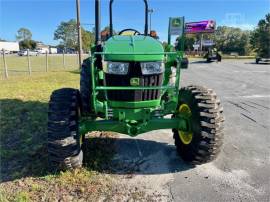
column 87, row 40
column 260, row 37
column 190, row 41
column 68, row 34
column 23, row 34
column 230, row 39
column 27, row 44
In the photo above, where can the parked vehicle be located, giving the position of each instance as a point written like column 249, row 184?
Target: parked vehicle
column 263, row 56
column 184, row 62
column 213, row 54
column 6, row 51
column 31, row 53
column 40, row 51
column 53, row 50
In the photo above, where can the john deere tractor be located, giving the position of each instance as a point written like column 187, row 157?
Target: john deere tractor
column 131, row 85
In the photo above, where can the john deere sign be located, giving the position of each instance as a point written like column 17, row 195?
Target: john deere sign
column 176, row 26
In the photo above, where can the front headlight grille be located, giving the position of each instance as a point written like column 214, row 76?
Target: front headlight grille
column 122, row 68
column 124, row 80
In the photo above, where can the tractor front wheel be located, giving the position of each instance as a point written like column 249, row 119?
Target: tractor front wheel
column 64, row 140
column 203, row 141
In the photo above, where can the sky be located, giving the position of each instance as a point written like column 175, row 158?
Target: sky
column 43, row 16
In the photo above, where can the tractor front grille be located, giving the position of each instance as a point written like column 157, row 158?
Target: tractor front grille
column 133, row 95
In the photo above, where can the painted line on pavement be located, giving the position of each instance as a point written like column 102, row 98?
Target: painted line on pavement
column 248, row 96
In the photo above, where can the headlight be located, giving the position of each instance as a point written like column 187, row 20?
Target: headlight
column 116, row 68
column 152, row 67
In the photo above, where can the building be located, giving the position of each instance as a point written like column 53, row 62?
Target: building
column 42, row 48
column 8, row 46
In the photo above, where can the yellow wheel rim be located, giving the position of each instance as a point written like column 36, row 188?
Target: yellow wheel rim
column 186, row 137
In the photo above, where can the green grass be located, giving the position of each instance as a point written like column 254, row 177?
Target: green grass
column 23, row 133
column 24, row 102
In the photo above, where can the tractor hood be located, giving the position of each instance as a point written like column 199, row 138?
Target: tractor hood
column 133, row 48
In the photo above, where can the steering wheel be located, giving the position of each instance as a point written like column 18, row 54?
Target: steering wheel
column 136, row 32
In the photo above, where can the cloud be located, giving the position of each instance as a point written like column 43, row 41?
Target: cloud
column 243, row 26
column 237, row 20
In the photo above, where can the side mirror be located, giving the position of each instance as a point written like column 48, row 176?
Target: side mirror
column 184, row 63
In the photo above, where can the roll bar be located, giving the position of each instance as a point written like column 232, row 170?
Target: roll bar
column 146, row 18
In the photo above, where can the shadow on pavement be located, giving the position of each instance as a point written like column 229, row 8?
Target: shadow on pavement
column 132, row 156
column 260, row 63
column 201, row 62
column 23, row 151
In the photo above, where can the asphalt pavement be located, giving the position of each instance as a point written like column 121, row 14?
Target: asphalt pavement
column 242, row 170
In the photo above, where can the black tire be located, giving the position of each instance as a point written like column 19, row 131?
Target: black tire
column 208, row 60
column 86, row 86
column 184, row 63
column 219, row 58
column 207, row 125
column 64, row 145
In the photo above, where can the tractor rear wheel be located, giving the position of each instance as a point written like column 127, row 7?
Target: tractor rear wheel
column 86, row 86
column 64, row 140
column 203, row 142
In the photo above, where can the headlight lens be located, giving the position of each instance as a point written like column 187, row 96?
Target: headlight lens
column 116, row 68
column 152, row 67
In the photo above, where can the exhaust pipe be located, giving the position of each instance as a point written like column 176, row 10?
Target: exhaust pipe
column 97, row 21
column 146, row 18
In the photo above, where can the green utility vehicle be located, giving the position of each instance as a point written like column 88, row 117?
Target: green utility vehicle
column 263, row 56
column 127, row 87
column 213, row 54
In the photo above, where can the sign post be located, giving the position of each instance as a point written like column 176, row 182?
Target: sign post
column 5, row 63
column 29, row 63
column 176, row 27
column 47, row 62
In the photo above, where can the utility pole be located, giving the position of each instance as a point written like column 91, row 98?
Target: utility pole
column 201, row 44
column 78, row 5
column 150, row 11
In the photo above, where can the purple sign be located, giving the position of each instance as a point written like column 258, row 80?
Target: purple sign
column 200, row 27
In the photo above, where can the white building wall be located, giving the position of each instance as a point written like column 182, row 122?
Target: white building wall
column 9, row 46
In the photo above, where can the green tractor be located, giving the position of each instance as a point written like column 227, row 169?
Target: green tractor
column 263, row 56
column 213, row 54
column 126, row 86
